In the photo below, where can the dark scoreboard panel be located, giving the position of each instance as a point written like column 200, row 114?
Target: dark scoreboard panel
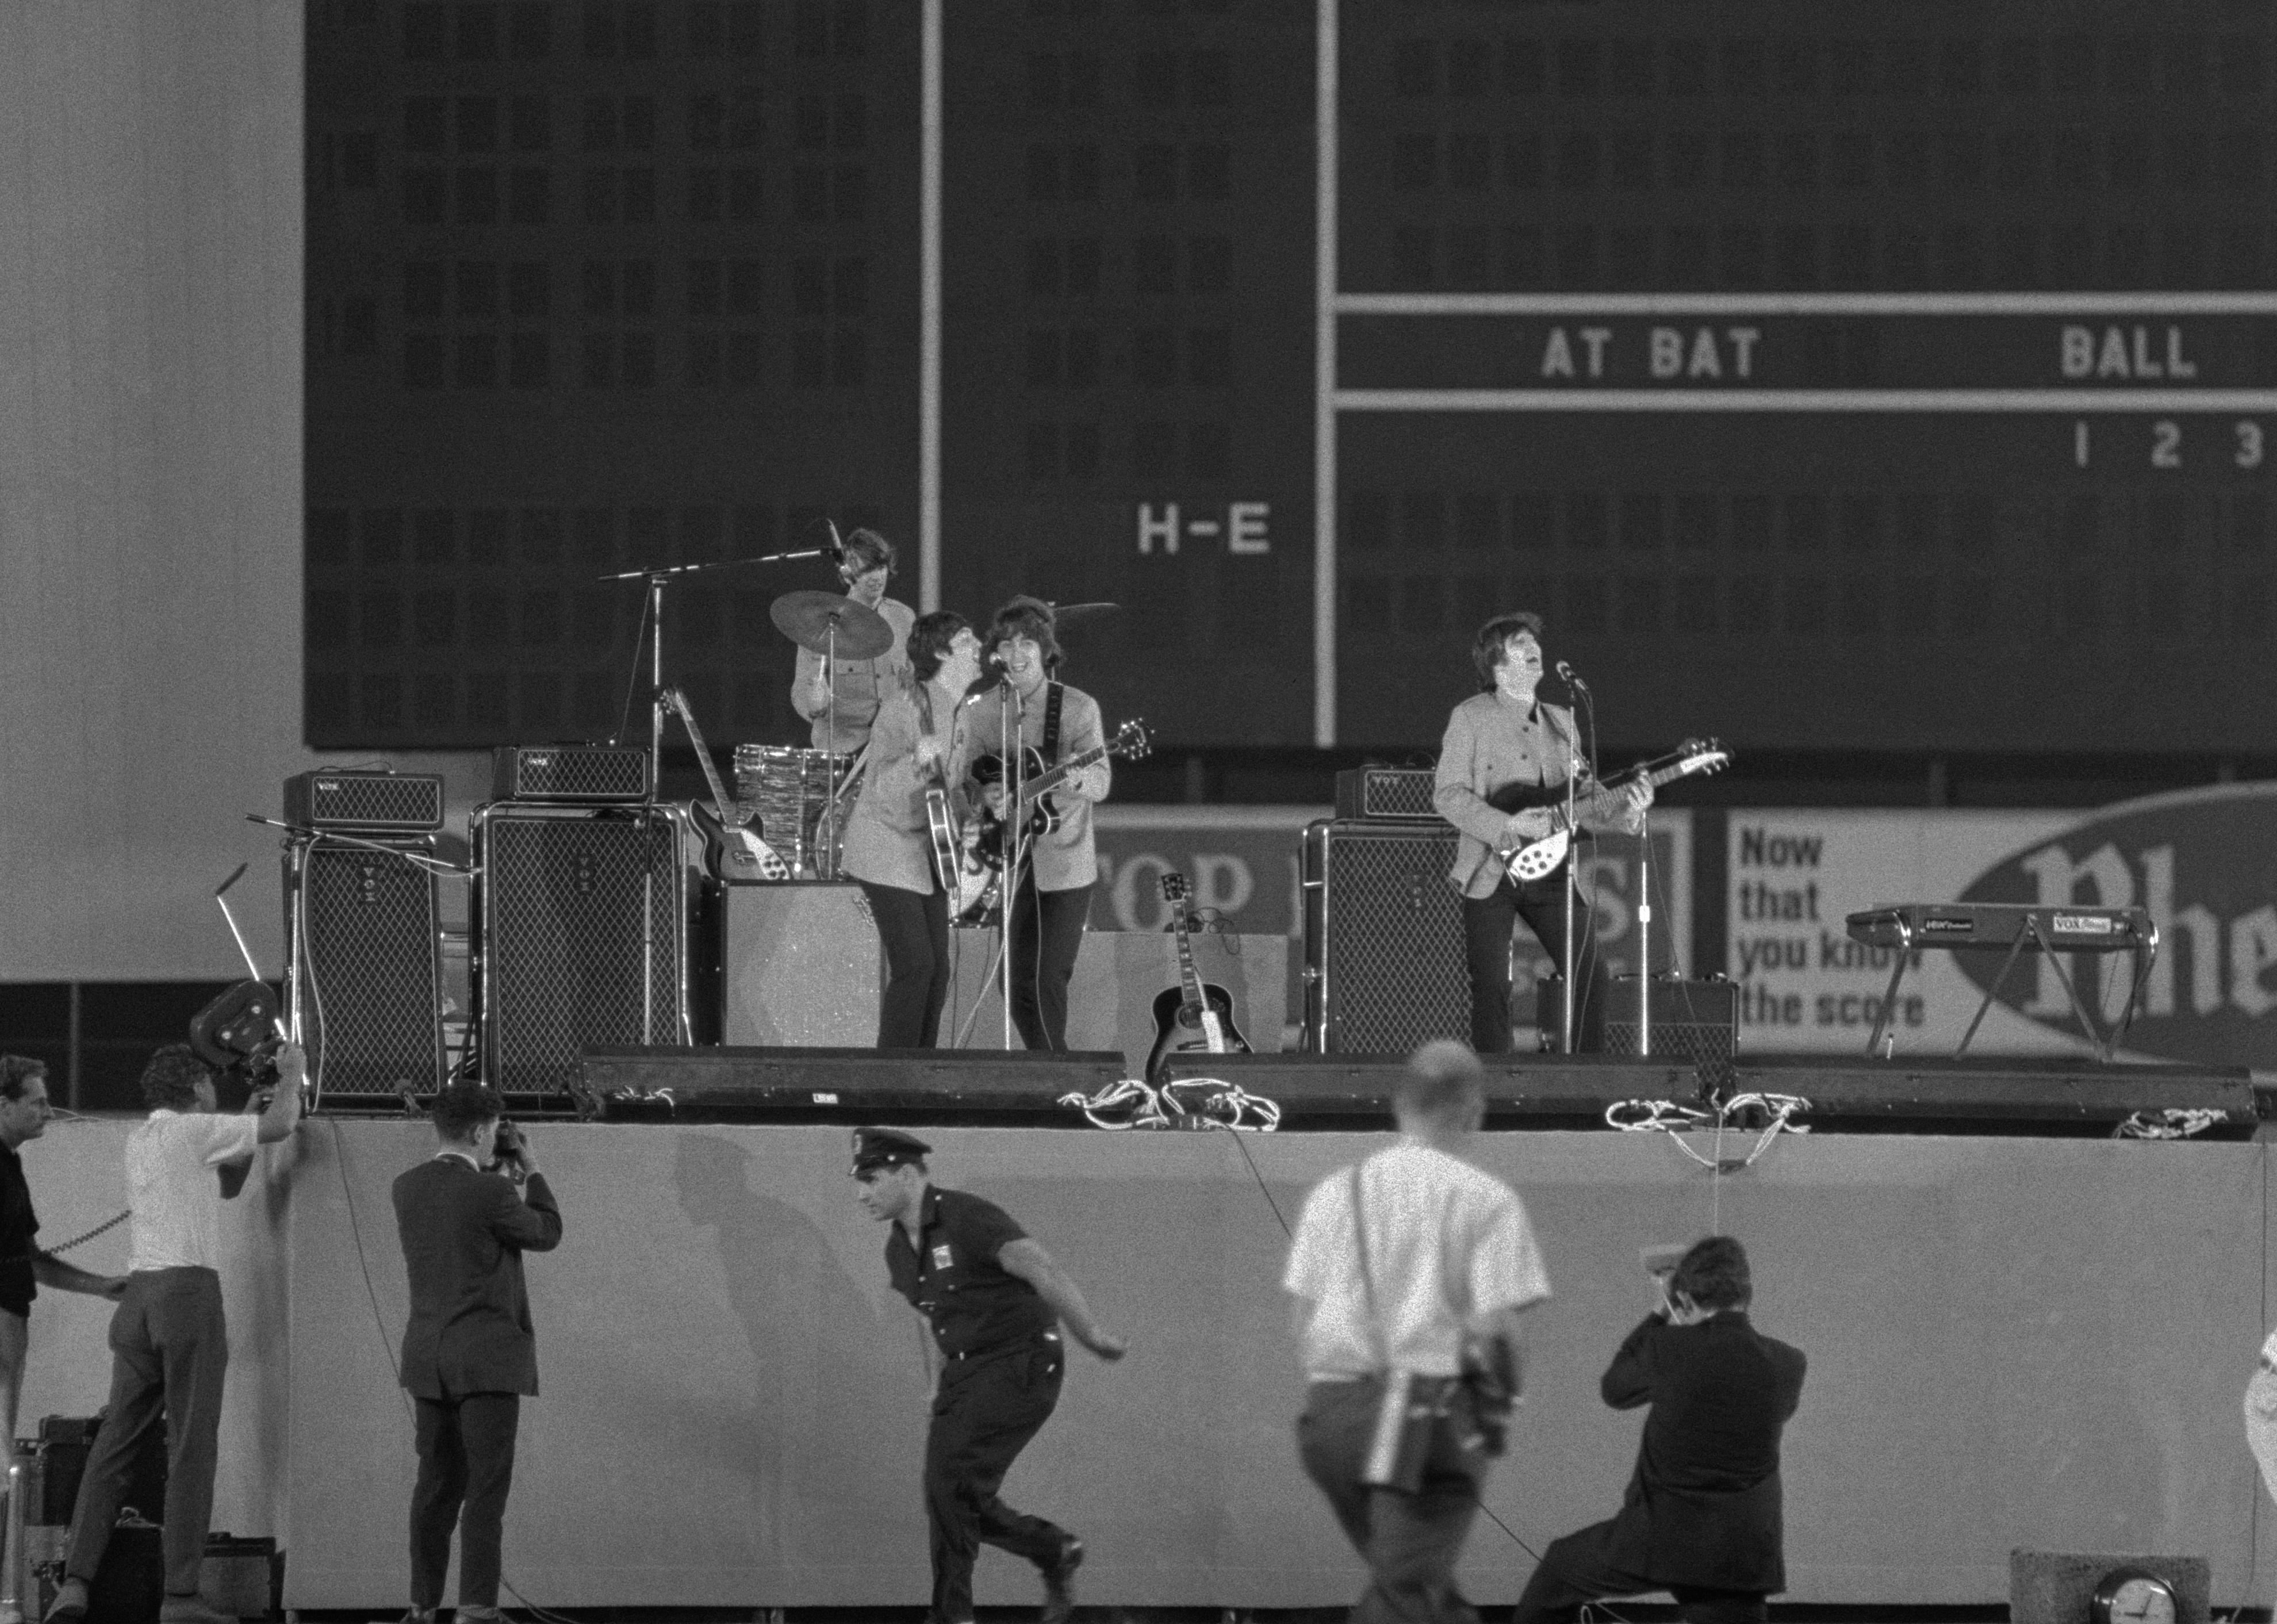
column 1128, row 254
column 1831, row 376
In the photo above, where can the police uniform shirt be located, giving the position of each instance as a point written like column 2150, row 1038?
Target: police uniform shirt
column 19, row 1224
column 951, row 1275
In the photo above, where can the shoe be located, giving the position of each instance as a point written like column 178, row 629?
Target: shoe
column 418, row 1615
column 191, row 1610
column 70, row 1603
column 1059, row 1582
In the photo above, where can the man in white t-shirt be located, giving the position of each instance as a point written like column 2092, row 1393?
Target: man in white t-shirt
column 1395, row 1265
column 169, row 1342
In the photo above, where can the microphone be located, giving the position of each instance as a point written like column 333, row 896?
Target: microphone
column 1565, row 675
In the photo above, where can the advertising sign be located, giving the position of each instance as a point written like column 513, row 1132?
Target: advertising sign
column 2199, row 862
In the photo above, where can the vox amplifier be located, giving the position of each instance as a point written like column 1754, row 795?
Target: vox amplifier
column 584, row 774
column 1386, row 794
column 406, row 800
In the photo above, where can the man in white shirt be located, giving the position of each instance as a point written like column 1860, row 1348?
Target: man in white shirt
column 169, row 1342
column 1397, row 1265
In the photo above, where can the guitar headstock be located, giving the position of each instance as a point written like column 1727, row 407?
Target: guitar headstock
column 1131, row 741
column 1704, row 755
column 1174, row 889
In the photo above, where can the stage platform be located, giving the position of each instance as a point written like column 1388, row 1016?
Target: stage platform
column 2013, row 1342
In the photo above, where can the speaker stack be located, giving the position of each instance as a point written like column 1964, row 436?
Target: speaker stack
column 580, row 913
column 1384, row 935
column 363, row 983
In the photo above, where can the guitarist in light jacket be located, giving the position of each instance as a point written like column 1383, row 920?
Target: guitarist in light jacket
column 1051, row 897
column 917, row 735
column 1503, row 767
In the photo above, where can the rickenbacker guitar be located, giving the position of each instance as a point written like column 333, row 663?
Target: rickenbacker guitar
column 1042, row 816
column 732, row 853
column 1195, row 1017
column 1533, row 859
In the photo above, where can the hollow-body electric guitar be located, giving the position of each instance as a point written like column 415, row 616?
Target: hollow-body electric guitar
column 733, row 854
column 1194, row 1016
column 1534, row 858
column 1039, row 780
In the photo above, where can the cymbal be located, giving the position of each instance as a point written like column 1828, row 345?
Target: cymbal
column 808, row 618
column 1066, row 612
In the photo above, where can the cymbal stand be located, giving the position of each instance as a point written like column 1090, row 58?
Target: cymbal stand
column 657, row 579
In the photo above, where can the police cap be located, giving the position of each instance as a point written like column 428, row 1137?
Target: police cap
column 880, row 1148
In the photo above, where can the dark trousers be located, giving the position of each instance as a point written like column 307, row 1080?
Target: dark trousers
column 1047, row 933
column 983, row 1416
column 466, row 1466
column 914, row 930
column 169, row 1350
column 1487, row 922
column 1410, row 1542
column 1579, row 1569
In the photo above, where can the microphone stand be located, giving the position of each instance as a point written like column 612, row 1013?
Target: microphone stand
column 657, row 579
column 1012, row 718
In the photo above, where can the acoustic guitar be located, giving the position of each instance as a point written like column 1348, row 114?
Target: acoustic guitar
column 1194, row 1017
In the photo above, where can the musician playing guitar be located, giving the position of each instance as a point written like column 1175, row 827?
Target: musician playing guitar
column 917, row 736
column 1502, row 768
column 1049, row 900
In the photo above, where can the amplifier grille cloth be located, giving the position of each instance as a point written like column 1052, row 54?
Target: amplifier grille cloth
column 373, row 1012
column 582, row 943
column 1392, row 940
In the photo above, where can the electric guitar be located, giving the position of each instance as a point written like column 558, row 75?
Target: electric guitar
column 1041, row 816
column 1195, row 1015
column 1531, row 859
column 733, row 854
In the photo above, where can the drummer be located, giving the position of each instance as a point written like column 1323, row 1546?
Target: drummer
column 865, row 564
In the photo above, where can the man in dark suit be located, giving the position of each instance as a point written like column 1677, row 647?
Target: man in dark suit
column 1702, row 1516
column 468, row 1350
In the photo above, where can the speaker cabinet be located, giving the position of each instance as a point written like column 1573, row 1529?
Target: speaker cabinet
column 800, row 966
column 1384, row 938
column 1697, row 1022
column 366, row 976
column 582, row 915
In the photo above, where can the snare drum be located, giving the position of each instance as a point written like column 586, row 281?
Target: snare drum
column 789, row 787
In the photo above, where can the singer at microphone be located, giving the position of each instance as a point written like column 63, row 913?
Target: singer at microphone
column 865, row 563
column 1503, row 771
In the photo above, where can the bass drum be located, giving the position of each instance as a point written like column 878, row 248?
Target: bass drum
column 790, row 787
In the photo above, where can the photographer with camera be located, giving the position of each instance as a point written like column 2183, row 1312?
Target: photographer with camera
column 1411, row 1271
column 465, row 1217
column 170, row 1339
column 1702, row 1517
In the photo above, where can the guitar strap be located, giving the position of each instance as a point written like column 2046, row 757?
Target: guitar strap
column 1052, row 724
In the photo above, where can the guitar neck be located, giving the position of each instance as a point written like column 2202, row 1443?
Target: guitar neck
column 702, row 757
column 1190, row 979
column 1045, row 782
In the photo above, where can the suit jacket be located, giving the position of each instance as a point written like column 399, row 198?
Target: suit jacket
column 463, row 1235
column 1704, row 1505
column 1490, row 744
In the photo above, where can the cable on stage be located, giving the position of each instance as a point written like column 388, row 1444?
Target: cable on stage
column 1188, row 1103
column 1777, row 1112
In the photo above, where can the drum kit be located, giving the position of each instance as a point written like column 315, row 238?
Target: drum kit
column 803, row 796
column 800, row 797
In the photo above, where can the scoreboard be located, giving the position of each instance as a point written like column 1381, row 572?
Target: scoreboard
column 1830, row 378
column 1894, row 376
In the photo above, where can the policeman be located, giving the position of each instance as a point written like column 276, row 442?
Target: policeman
column 995, row 1300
